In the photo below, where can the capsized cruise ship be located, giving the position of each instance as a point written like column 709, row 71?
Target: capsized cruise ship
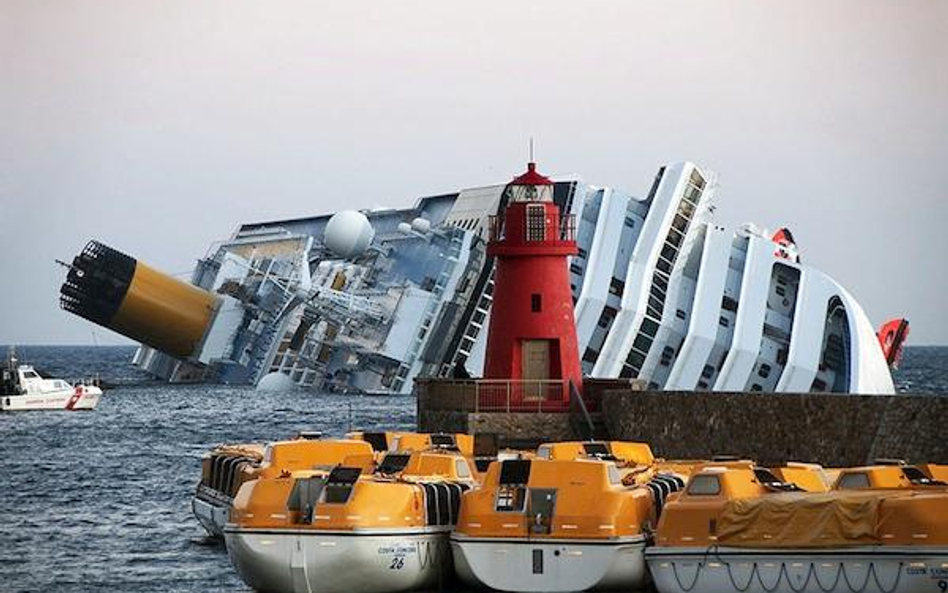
column 363, row 302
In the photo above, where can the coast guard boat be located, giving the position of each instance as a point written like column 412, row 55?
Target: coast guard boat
column 22, row 388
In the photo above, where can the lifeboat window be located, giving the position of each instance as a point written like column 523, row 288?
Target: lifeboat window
column 704, row 485
column 853, row 481
column 377, row 439
column 599, row 450
column 462, row 468
column 393, row 463
column 514, row 472
column 443, row 441
column 917, row 477
column 339, row 485
column 30, row 375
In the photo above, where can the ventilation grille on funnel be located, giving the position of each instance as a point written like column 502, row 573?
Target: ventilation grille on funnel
column 97, row 283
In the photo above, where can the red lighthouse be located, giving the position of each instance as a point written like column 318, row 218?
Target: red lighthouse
column 532, row 330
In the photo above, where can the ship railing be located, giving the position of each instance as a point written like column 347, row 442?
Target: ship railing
column 566, row 230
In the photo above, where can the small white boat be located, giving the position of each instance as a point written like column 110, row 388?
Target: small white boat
column 22, row 388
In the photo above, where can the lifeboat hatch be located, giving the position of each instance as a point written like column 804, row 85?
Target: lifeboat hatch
column 303, row 497
column 542, row 504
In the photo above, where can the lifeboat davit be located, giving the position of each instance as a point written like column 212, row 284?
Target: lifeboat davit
column 882, row 529
column 554, row 525
column 350, row 530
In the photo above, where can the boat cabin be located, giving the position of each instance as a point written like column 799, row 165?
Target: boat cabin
column 887, row 476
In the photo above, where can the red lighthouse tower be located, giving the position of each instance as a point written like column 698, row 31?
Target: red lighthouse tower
column 532, row 334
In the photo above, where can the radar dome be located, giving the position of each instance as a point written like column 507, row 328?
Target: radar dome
column 348, row 233
column 276, row 382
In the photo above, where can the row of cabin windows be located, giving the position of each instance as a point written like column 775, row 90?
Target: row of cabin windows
column 657, row 291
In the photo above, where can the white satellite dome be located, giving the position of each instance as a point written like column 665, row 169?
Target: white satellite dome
column 348, row 233
column 276, row 382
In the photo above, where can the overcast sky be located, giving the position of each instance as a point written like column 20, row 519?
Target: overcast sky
column 158, row 126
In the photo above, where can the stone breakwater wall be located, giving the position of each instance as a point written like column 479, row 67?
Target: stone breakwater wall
column 832, row 429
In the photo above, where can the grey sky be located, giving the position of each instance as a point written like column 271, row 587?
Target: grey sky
column 158, row 126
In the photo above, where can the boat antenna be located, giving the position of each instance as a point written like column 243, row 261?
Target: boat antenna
column 531, row 150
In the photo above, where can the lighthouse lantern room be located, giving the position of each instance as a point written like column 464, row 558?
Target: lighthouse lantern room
column 532, row 338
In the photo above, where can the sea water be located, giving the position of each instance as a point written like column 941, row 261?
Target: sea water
column 100, row 501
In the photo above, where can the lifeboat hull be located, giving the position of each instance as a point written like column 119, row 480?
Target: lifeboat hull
column 550, row 565
column 211, row 514
column 891, row 569
column 83, row 397
column 310, row 561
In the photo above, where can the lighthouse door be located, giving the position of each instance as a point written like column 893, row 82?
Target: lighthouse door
column 536, row 367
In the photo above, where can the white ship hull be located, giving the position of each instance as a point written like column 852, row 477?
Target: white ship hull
column 864, row 569
column 82, row 397
column 553, row 566
column 307, row 561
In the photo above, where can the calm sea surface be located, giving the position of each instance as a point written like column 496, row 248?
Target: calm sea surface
column 101, row 501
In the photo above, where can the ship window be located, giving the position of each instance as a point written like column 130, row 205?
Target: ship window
column 704, row 485
column 757, row 387
column 764, row 370
column 707, row 371
column 854, row 480
column 780, row 290
column 724, row 322
column 664, row 266
column 680, row 223
column 616, row 286
column 536, row 222
column 696, row 178
column 642, row 343
column 536, row 302
column 590, row 355
column 635, row 361
column 729, row 304
column 581, row 253
column 30, row 375
column 680, row 314
column 630, row 222
column 576, row 269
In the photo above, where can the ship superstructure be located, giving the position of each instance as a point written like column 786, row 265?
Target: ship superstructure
column 366, row 301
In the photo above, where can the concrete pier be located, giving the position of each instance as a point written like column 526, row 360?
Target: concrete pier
column 832, row 429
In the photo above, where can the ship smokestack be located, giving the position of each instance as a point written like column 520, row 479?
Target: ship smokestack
column 116, row 291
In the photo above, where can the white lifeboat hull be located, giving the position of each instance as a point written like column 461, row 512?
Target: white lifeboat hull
column 865, row 569
column 211, row 512
column 80, row 397
column 310, row 561
column 550, row 565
